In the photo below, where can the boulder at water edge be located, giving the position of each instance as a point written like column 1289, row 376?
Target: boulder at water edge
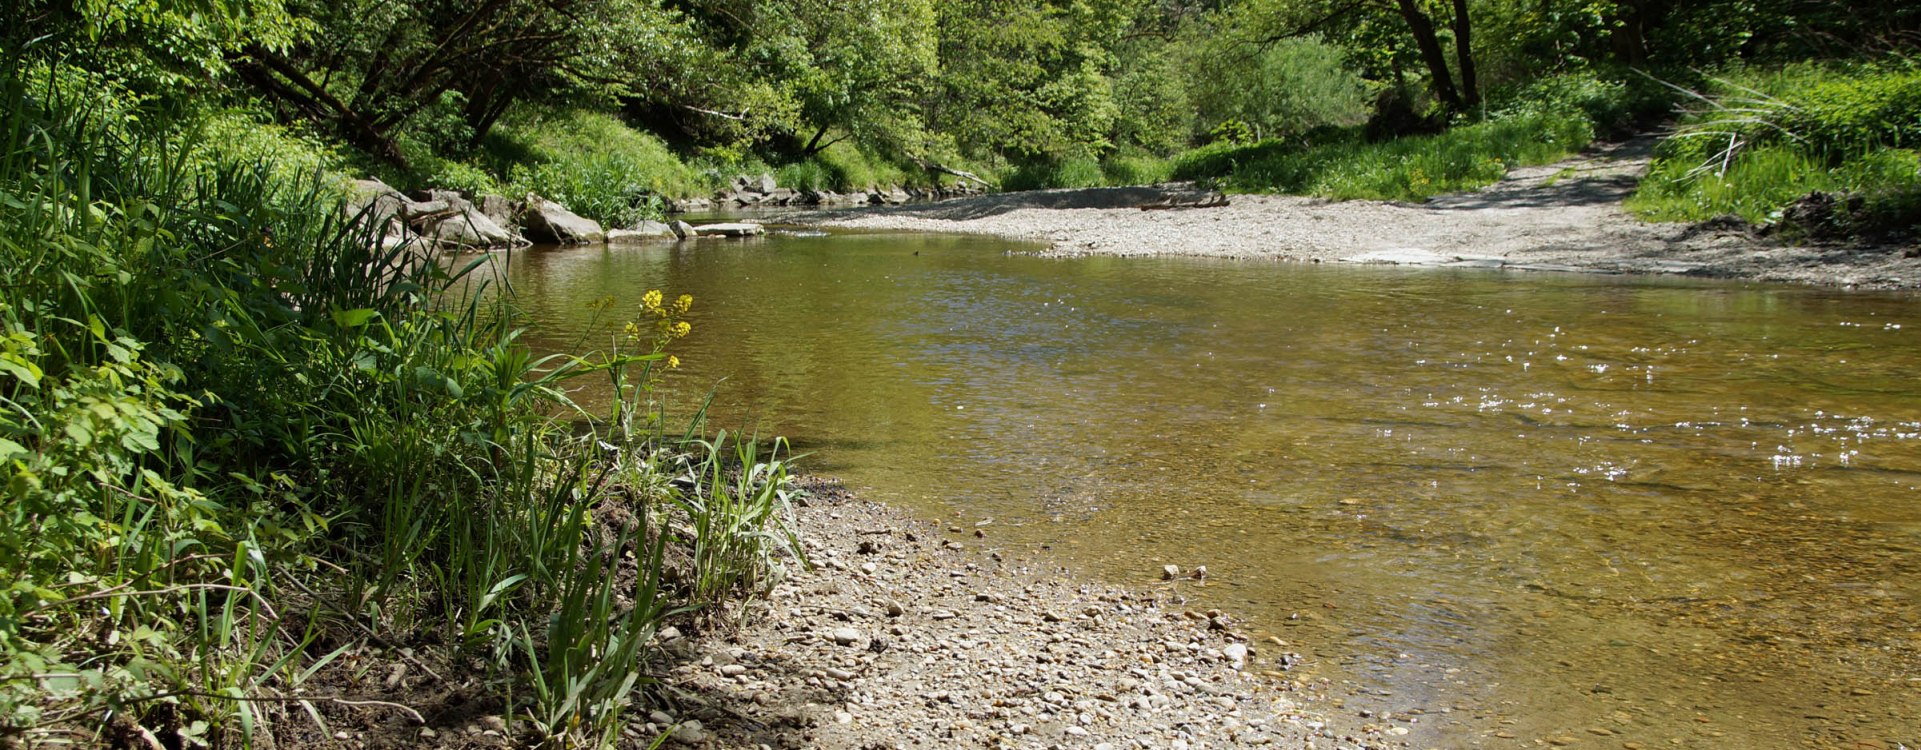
column 740, row 229
column 467, row 227
column 547, row 221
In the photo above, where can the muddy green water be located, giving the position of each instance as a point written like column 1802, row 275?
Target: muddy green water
column 1500, row 508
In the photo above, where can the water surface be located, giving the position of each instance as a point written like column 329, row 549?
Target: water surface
column 1500, row 508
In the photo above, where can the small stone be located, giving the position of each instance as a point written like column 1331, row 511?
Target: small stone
column 1076, row 731
column 428, row 733
column 846, row 636
column 341, row 735
column 868, row 568
column 495, row 723
column 842, row 717
column 838, row 673
column 1600, row 731
column 1235, row 653
column 690, row 733
column 1200, row 572
column 894, row 609
column 1170, row 572
column 1861, row 691
column 733, row 670
column 668, row 633
column 1560, row 741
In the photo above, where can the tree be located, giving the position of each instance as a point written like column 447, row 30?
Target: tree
column 375, row 64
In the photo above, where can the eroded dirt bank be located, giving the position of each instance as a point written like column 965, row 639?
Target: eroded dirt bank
column 1565, row 216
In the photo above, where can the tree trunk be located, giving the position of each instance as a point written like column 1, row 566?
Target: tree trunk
column 1431, row 53
column 813, row 146
column 1464, row 55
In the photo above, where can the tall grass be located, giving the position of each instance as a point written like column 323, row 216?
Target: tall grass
column 232, row 428
column 844, row 168
column 1411, row 168
column 590, row 162
column 1756, row 141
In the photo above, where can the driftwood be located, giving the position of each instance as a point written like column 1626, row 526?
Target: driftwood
column 1207, row 200
column 946, row 170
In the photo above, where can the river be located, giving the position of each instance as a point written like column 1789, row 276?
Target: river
column 1489, row 509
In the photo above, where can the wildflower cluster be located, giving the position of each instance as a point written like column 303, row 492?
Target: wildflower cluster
column 669, row 323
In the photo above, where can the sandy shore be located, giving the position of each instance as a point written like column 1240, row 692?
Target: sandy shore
column 1566, row 216
column 915, row 634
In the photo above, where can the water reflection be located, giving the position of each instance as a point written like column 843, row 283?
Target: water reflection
column 1614, row 510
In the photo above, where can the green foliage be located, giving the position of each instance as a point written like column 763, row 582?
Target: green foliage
column 1136, row 169
column 592, row 163
column 224, row 409
column 1759, row 141
column 1277, row 90
column 1415, row 168
column 844, row 167
column 1067, row 173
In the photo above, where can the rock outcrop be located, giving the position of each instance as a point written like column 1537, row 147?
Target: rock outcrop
column 545, row 221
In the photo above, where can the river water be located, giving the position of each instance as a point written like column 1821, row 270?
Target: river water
column 1488, row 509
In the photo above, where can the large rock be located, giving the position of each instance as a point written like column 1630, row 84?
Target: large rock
column 469, row 228
column 550, row 222
column 736, row 229
column 688, row 205
column 499, row 208
column 374, row 203
column 646, row 231
column 683, row 230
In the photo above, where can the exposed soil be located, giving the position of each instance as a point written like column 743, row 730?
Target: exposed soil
column 1565, row 216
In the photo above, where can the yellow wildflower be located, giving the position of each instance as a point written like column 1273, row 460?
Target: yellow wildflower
column 672, row 361
column 651, row 300
column 683, row 328
column 683, row 303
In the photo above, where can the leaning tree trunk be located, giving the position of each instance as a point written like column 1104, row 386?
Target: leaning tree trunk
column 1464, row 55
column 1431, row 53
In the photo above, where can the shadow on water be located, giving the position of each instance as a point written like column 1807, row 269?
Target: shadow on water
column 1485, row 508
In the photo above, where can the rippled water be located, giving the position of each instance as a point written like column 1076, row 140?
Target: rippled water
column 1508, row 508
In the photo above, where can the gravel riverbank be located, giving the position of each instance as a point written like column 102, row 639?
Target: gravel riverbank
column 914, row 634
column 1565, row 216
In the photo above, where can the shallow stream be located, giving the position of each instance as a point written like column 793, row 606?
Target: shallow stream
column 1489, row 509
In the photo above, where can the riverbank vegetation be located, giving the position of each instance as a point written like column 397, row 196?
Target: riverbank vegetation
column 263, row 477
column 258, row 470
column 1820, row 149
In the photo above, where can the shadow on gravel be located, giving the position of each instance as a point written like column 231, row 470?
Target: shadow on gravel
column 1606, row 174
column 995, row 204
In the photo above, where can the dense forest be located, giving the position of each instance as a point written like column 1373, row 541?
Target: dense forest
column 249, row 453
